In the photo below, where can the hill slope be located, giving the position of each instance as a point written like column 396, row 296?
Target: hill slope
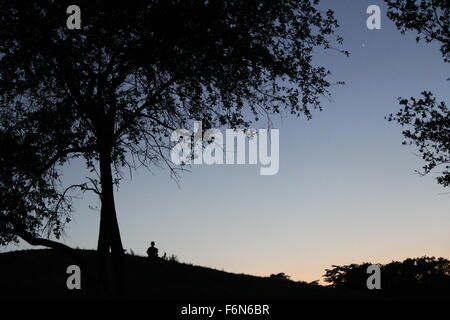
column 42, row 274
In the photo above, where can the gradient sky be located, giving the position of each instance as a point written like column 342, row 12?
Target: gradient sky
column 346, row 191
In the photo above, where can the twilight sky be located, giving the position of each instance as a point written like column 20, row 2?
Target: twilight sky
column 346, row 191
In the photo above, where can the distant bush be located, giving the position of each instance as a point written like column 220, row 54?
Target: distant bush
column 280, row 276
column 314, row 283
column 172, row 258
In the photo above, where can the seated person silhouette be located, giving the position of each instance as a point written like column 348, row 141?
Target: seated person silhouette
column 152, row 252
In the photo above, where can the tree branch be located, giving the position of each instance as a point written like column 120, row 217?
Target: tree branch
column 64, row 153
column 137, row 113
column 35, row 241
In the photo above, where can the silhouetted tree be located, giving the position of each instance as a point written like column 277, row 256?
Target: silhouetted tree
column 351, row 276
column 112, row 91
column 428, row 120
column 413, row 276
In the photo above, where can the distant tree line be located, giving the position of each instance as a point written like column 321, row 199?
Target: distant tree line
column 427, row 275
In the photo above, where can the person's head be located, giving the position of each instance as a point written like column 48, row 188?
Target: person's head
column 152, row 243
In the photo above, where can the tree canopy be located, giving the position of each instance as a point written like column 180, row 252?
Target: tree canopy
column 112, row 91
column 427, row 120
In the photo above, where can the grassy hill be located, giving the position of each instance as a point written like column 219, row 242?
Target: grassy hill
column 42, row 274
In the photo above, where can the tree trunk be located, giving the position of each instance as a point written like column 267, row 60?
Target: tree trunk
column 109, row 240
column 109, row 236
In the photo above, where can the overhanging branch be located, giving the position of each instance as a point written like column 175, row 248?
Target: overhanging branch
column 35, row 241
